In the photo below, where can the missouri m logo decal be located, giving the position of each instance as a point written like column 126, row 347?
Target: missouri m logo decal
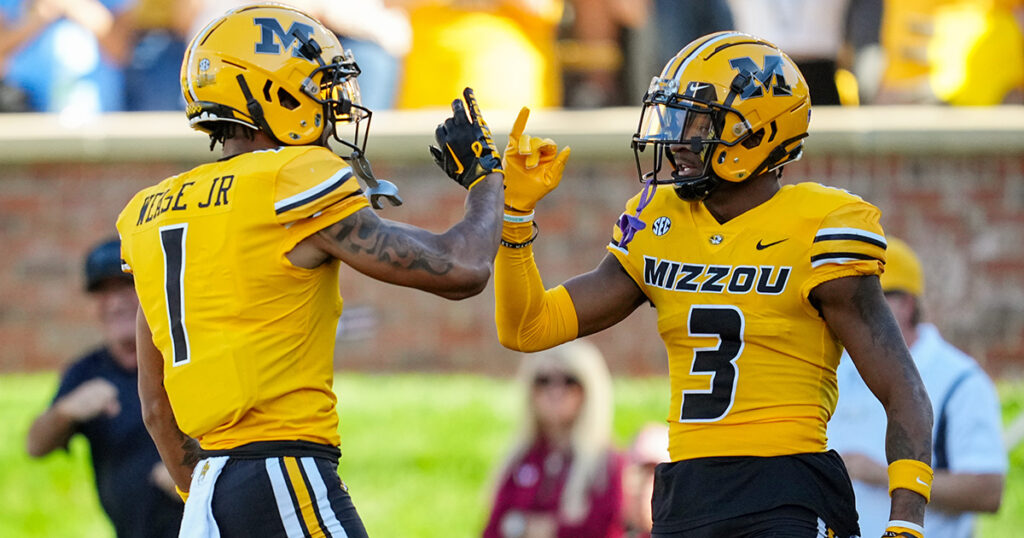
column 770, row 79
column 271, row 28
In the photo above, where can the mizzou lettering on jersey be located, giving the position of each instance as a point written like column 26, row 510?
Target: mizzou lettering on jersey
column 751, row 361
column 247, row 338
column 692, row 277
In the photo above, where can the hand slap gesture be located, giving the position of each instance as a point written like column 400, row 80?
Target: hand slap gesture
column 533, row 166
column 465, row 149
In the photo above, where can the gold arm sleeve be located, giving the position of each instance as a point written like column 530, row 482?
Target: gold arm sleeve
column 529, row 318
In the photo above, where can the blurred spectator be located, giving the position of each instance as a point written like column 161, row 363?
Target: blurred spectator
column 648, row 449
column 960, row 52
column 159, row 32
column 377, row 31
column 504, row 49
column 13, row 35
column 98, row 398
column 969, row 460
column 861, row 60
column 562, row 477
column 379, row 34
column 810, row 31
column 679, row 22
column 593, row 55
column 68, row 54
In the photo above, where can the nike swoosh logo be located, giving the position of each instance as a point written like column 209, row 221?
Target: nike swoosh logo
column 762, row 247
column 919, row 481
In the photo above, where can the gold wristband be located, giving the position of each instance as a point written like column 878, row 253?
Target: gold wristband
column 517, row 232
column 522, row 244
column 914, row 475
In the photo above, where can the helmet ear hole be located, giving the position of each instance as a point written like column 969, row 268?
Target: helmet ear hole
column 287, row 100
column 754, row 140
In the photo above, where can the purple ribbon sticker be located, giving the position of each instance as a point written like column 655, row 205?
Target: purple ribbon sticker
column 630, row 224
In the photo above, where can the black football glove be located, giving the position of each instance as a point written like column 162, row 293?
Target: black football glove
column 465, row 150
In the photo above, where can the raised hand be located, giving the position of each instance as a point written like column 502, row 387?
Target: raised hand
column 533, row 166
column 465, row 149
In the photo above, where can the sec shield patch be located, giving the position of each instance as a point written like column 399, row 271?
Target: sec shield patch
column 661, row 226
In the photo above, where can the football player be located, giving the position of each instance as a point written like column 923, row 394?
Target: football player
column 236, row 264
column 757, row 286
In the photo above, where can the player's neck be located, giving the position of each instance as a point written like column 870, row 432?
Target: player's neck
column 239, row 144
column 730, row 200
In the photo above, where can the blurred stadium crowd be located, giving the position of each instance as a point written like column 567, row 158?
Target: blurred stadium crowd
column 84, row 57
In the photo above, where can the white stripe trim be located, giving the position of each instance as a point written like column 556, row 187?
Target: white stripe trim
column 851, row 231
column 907, row 525
column 838, row 261
column 618, row 248
column 696, row 53
column 192, row 55
column 288, row 511
column 822, row 529
column 326, row 184
column 332, row 526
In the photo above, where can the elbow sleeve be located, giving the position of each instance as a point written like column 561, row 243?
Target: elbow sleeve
column 528, row 317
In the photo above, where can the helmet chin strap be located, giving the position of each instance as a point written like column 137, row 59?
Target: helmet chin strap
column 690, row 188
column 696, row 189
column 255, row 109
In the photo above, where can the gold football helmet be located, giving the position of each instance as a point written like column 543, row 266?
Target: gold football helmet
column 736, row 104
column 273, row 68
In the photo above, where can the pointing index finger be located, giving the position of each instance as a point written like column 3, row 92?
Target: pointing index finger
column 459, row 111
column 520, row 125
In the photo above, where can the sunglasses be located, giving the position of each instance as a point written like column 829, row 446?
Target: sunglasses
column 556, row 380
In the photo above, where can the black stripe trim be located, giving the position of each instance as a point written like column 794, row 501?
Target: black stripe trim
column 277, row 449
column 313, row 197
column 854, row 255
column 312, row 497
column 850, row 237
column 294, row 497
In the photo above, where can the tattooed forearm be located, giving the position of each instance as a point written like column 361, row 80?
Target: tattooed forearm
column 907, row 435
column 899, row 444
column 389, row 244
column 875, row 314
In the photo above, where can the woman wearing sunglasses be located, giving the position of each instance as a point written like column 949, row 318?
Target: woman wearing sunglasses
column 562, row 477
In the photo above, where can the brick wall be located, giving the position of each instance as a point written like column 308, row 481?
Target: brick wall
column 964, row 215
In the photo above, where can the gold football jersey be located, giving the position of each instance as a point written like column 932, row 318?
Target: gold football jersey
column 247, row 338
column 752, row 363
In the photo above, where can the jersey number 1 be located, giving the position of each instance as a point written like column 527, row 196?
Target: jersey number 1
column 726, row 323
column 172, row 242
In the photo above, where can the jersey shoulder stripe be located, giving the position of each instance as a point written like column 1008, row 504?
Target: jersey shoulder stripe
column 313, row 181
column 851, row 234
column 315, row 193
column 840, row 258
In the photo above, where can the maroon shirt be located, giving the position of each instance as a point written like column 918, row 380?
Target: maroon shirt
column 534, row 486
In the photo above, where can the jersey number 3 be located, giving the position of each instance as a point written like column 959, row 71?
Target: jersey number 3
column 726, row 323
column 172, row 242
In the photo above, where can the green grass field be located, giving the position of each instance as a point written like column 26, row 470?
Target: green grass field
column 418, row 455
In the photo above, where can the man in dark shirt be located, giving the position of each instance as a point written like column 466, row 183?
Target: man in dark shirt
column 98, row 397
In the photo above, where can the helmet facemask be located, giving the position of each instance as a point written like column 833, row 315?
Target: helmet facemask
column 338, row 93
column 683, row 130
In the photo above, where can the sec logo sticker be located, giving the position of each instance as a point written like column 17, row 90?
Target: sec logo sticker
column 661, row 226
